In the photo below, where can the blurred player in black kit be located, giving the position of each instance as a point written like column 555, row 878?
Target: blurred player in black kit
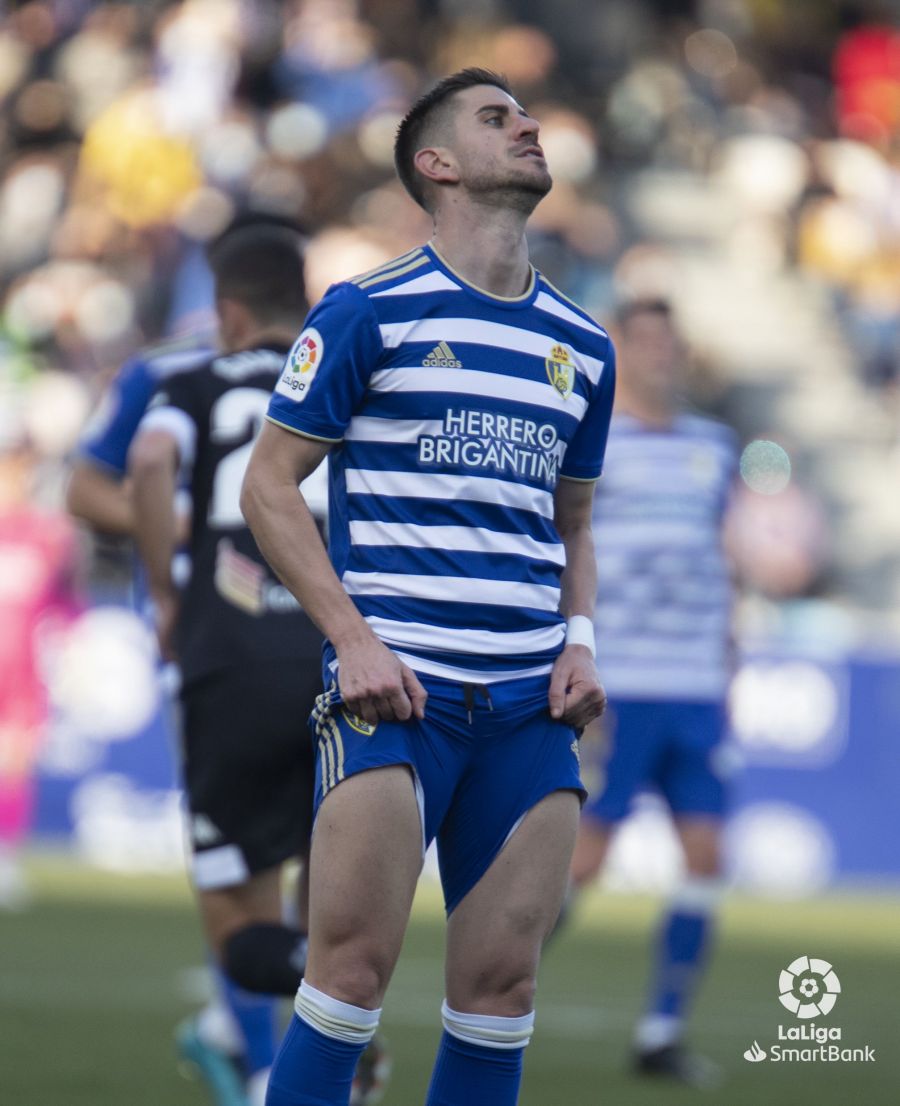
column 250, row 658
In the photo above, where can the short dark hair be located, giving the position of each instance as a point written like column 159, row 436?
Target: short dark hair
column 642, row 305
column 423, row 113
column 259, row 263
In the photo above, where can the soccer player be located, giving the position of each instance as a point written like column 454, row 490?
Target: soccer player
column 662, row 622
column 233, row 1023
column 465, row 403
column 248, row 655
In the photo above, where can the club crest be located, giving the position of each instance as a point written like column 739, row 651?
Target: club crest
column 561, row 370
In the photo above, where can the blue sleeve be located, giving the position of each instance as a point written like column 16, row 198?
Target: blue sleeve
column 109, row 432
column 328, row 368
column 584, row 456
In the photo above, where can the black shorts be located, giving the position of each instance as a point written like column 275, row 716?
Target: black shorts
column 248, row 768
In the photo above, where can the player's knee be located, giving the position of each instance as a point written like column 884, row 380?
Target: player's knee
column 501, row 994
column 358, row 976
column 266, row 958
column 703, row 857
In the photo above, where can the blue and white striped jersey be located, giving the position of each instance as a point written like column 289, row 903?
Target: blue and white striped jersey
column 664, row 590
column 456, row 413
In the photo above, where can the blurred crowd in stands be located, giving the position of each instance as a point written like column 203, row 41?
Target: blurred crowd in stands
column 691, row 142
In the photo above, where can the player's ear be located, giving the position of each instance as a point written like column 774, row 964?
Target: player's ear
column 436, row 163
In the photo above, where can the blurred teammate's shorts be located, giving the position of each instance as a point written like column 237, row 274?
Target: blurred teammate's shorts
column 248, row 769
column 481, row 759
column 668, row 746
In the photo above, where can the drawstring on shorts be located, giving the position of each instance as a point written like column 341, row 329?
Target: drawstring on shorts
column 469, row 693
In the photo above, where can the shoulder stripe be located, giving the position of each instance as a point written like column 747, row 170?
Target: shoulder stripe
column 394, row 273
column 392, row 264
column 581, row 311
column 432, row 281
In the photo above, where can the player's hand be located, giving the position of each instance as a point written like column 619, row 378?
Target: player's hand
column 165, row 615
column 375, row 684
column 576, row 694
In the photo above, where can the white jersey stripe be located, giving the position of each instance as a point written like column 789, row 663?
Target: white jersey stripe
column 476, row 675
column 483, row 333
column 366, row 428
column 430, row 282
column 494, row 593
column 417, row 635
column 473, row 383
column 475, row 489
column 554, row 307
column 469, row 539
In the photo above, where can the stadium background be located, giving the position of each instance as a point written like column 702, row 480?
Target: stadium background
column 736, row 156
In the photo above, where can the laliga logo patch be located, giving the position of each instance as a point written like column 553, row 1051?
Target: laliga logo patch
column 561, row 371
column 358, row 724
column 808, row 987
column 301, row 365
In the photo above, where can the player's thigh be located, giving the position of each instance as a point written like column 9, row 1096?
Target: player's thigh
column 701, row 841
column 248, row 771
column 364, row 864
column 494, row 935
column 591, row 848
column 228, row 909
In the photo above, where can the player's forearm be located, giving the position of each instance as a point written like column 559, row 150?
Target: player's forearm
column 579, row 578
column 100, row 501
column 155, row 524
column 288, row 537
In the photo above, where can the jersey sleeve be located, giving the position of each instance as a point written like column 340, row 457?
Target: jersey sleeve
column 109, row 432
column 328, row 368
column 175, row 409
column 584, row 456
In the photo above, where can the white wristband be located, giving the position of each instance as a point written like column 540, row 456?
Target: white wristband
column 580, row 631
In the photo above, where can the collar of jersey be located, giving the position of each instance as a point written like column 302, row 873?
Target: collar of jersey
column 514, row 302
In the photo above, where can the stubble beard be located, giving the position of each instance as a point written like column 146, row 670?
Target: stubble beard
column 517, row 192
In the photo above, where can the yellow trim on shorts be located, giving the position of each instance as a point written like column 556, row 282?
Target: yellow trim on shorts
column 338, row 748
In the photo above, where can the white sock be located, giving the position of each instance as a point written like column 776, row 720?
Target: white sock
column 256, row 1087
column 657, row 1031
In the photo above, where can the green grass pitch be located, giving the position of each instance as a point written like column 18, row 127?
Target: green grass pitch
column 96, row 973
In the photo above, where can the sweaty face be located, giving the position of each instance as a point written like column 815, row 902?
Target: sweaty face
column 495, row 144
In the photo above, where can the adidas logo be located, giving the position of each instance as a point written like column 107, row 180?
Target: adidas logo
column 442, row 357
column 203, row 831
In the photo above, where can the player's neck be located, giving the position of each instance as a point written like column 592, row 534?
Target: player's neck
column 486, row 247
column 265, row 338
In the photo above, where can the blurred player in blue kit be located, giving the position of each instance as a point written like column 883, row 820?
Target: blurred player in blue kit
column 663, row 628
column 465, row 403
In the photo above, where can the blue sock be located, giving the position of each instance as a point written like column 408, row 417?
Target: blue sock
column 479, row 1061
column 682, row 944
column 318, row 1056
column 257, row 1019
column 467, row 1074
column 312, row 1069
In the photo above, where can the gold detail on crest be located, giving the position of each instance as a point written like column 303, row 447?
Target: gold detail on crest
column 561, row 371
column 357, row 723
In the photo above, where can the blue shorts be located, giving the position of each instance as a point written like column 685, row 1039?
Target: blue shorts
column 481, row 759
column 668, row 746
